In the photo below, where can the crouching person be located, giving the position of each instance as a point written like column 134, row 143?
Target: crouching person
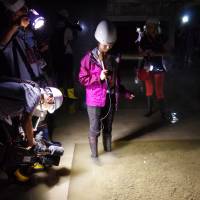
column 99, row 75
column 23, row 99
column 19, row 100
column 51, row 100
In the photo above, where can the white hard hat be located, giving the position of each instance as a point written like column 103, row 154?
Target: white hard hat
column 64, row 13
column 58, row 98
column 13, row 5
column 105, row 32
column 153, row 21
column 42, row 108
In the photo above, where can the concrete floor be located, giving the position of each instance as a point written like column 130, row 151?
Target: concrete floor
column 129, row 124
column 182, row 93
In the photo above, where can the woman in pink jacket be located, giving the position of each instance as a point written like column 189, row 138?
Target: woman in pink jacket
column 99, row 75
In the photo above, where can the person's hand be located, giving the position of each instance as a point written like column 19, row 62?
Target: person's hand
column 24, row 22
column 103, row 75
column 131, row 96
column 136, row 80
column 31, row 144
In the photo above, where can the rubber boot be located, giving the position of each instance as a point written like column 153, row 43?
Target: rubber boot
column 107, row 143
column 149, row 106
column 162, row 108
column 93, row 141
column 70, row 93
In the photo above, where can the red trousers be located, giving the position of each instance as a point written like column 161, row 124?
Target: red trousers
column 156, row 81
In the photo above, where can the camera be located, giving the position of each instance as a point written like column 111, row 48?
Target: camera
column 17, row 160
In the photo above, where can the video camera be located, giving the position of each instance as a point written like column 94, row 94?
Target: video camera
column 14, row 156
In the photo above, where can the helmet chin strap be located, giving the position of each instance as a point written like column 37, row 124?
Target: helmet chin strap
column 42, row 114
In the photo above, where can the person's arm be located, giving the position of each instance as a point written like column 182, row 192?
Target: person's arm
column 8, row 35
column 121, row 89
column 18, row 22
column 125, row 93
column 32, row 96
column 28, row 129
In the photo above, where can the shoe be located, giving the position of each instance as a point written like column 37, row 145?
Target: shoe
column 37, row 166
column 20, row 176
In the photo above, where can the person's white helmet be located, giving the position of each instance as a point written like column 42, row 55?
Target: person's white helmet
column 57, row 96
column 105, row 32
column 42, row 108
column 13, row 5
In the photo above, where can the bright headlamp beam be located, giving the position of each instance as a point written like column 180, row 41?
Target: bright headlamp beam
column 38, row 23
column 185, row 19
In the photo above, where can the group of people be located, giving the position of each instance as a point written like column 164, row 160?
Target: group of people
column 25, row 93
column 20, row 56
column 98, row 72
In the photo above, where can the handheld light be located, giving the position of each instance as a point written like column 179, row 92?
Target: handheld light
column 37, row 21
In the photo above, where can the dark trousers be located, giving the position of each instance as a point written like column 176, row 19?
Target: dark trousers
column 101, row 118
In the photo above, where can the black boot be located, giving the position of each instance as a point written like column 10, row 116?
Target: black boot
column 162, row 108
column 93, row 141
column 149, row 106
column 107, row 140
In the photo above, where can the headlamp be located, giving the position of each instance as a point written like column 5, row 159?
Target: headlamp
column 151, row 68
column 185, row 19
column 36, row 20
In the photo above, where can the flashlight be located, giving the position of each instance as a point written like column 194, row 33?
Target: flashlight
column 185, row 19
column 138, row 30
column 36, row 20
